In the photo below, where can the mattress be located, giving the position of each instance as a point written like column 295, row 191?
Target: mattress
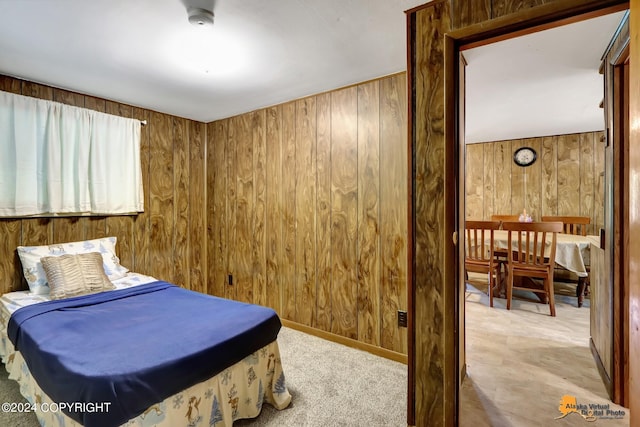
column 238, row 391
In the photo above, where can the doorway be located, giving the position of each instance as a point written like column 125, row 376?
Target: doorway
column 538, row 348
column 434, row 303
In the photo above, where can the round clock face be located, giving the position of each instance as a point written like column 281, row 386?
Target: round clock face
column 525, row 156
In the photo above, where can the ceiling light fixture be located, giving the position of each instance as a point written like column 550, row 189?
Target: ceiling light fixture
column 200, row 17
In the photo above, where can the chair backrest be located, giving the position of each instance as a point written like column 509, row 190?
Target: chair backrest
column 505, row 218
column 572, row 224
column 479, row 240
column 527, row 243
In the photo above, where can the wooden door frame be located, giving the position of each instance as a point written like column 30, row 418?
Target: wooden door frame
column 514, row 25
column 616, row 71
column 633, row 253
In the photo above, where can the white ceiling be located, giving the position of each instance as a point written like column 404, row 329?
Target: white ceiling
column 260, row 53
column 545, row 83
column 257, row 53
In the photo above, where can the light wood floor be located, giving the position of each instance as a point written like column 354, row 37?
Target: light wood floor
column 520, row 364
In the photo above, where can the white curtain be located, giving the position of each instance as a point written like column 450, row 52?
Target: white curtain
column 59, row 159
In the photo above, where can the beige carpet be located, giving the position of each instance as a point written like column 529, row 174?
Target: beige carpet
column 335, row 385
column 10, row 393
column 331, row 385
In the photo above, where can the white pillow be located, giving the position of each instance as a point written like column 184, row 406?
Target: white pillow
column 34, row 272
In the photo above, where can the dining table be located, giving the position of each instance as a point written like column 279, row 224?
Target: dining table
column 572, row 251
column 572, row 254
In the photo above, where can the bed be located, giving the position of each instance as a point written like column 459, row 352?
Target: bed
column 143, row 352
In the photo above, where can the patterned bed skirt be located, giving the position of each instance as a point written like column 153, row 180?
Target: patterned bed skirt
column 237, row 392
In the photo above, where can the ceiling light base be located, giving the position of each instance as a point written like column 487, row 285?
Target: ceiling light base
column 200, row 17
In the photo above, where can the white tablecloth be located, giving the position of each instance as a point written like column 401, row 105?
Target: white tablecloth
column 572, row 252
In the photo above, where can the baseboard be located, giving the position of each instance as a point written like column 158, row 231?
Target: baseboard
column 601, row 369
column 463, row 373
column 378, row 351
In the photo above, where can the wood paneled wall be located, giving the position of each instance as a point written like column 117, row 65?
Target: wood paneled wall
column 567, row 178
column 303, row 203
column 167, row 240
column 307, row 210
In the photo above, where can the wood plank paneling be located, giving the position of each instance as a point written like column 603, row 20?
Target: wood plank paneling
column 601, row 327
column 305, row 208
column 323, row 214
column 474, row 180
column 506, row 7
column 532, row 196
column 37, row 232
column 217, row 199
column 68, row 229
column 502, row 160
column 470, row 12
column 549, row 171
column 161, row 209
column 344, row 205
column 11, row 85
column 289, row 211
column 568, row 174
column 535, row 188
column 181, row 202
column 240, row 133
column 10, row 277
column 368, row 237
column 37, row 90
column 259, row 270
column 142, row 221
column 332, row 206
column 197, row 207
column 231, row 207
column 598, row 170
column 393, row 212
column 273, row 229
column 488, row 187
column 586, row 177
column 517, row 179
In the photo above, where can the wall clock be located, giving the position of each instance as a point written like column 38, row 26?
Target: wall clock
column 525, row 156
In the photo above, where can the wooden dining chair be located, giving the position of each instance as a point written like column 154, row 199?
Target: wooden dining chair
column 501, row 254
column 479, row 256
column 505, row 218
column 529, row 257
column 576, row 225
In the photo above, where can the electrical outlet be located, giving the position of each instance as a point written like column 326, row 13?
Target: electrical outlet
column 231, row 280
column 402, row 318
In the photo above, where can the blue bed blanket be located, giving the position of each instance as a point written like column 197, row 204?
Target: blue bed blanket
column 134, row 347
